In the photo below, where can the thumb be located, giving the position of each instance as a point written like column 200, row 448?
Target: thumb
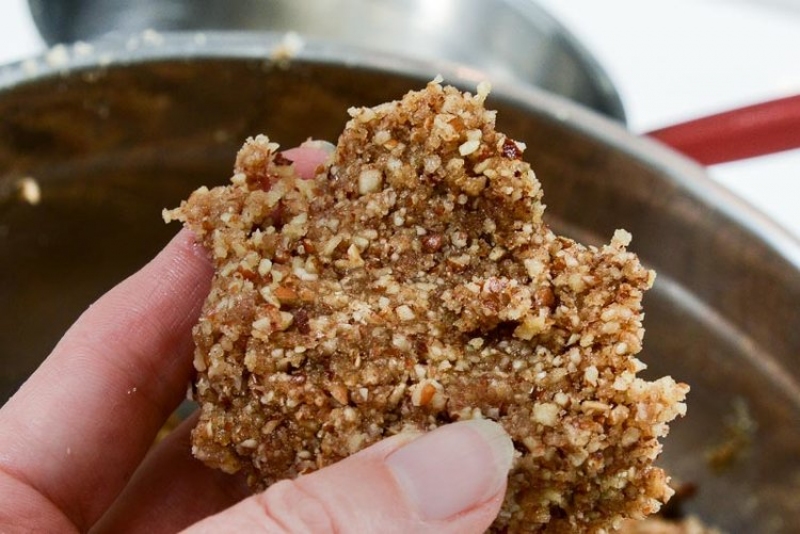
column 450, row 480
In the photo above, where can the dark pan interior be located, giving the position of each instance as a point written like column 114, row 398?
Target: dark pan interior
column 111, row 147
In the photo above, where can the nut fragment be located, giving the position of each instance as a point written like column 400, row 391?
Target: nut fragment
column 405, row 313
column 286, row 295
column 369, row 181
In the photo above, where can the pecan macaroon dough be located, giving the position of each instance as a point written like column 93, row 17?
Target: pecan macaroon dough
column 413, row 283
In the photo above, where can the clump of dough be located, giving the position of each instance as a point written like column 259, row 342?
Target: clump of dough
column 413, row 283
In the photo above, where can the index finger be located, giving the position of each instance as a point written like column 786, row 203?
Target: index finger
column 76, row 430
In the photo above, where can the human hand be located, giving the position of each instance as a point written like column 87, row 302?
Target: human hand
column 75, row 441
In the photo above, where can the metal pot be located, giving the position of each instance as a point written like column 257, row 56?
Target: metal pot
column 113, row 135
column 512, row 40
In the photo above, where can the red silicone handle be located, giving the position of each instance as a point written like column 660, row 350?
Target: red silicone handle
column 743, row 133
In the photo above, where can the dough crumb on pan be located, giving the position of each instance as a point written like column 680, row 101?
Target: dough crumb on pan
column 414, row 283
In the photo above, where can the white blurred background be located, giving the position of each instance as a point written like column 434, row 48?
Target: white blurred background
column 674, row 60
column 671, row 60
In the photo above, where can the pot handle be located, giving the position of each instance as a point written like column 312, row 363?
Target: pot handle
column 747, row 132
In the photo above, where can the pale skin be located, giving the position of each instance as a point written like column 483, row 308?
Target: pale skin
column 76, row 440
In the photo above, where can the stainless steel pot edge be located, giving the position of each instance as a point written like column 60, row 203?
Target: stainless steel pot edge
column 90, row 19
column 115, row 50
column 686, row 174
column 538, row 13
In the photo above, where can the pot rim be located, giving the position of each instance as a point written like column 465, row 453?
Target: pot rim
column 57, row 25
column 116, row 50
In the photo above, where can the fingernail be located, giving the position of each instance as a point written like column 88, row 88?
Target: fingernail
column 453, row 468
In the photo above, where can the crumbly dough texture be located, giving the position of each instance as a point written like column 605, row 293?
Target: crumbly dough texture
column 413, row 283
